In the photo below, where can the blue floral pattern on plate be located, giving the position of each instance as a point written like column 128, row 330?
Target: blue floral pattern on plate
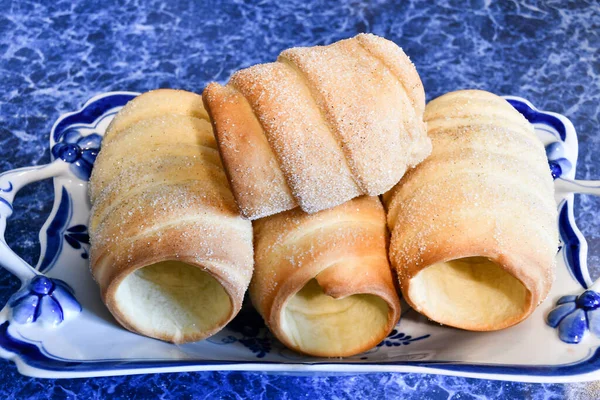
column 79, row 151
column 77, row 236
column 43, row 300
column 396, row 338
column 574, row 315
column 249, row 330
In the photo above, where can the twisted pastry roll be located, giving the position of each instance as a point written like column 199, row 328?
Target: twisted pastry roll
column 322, row 282
column 474, row 227
column 170, row 251
column 320, row 126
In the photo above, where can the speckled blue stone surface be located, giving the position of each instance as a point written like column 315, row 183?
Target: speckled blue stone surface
column 56, row 55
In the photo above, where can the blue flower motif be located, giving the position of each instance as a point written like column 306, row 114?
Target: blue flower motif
column 559, row 165
column 45, row 300
column 77, row 236
column 79, row 151
column 249, row 330
column 574, row 315
column 395, row 339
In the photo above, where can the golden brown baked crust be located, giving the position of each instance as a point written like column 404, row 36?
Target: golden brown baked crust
column 343, row 248
column 486, row 191
column 331, row 123
column 256, row 179
column 159, row 193
column 156, row 103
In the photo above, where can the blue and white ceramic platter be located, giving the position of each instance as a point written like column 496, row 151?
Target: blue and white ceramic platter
column 56, row 326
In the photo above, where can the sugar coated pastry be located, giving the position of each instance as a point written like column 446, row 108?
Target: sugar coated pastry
column 169, row 249
column 320, row 126
column 322, row 281
column 474, row 227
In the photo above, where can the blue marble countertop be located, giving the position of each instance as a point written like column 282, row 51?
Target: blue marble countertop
column 56, row 55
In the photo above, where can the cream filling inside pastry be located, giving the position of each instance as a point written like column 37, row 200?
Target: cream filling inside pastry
column 314, row 321
column 173, row 297
column 475, row 291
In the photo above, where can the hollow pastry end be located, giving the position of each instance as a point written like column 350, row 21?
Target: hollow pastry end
column 171, row 300
column 315, row 323
column 323, row 282
column 474, row 231
column 169, row 250
column 473, row 293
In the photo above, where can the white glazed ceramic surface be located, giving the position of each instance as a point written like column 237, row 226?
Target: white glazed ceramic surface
column 45, row 332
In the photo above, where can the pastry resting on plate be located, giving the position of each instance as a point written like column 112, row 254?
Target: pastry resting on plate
column 170, row 251
column 474, row 227
column 322, row 282
column 320, row 126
